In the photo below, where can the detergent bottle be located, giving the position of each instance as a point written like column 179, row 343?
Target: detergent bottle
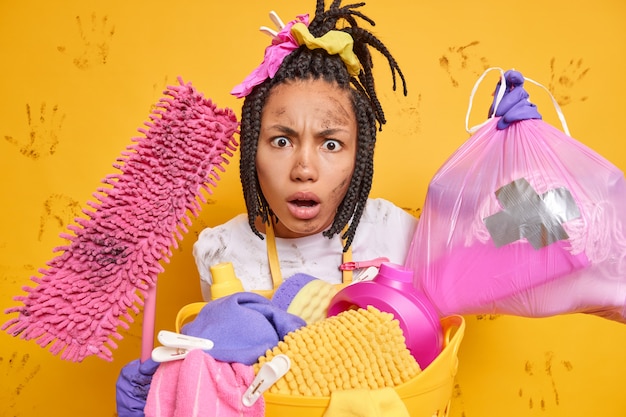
column 225, row 282
column 392, row 291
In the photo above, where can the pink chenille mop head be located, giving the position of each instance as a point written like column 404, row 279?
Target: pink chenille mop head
column 113, row 258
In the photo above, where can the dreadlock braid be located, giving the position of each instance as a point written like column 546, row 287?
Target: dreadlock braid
column 302, row 64
column 256, row 205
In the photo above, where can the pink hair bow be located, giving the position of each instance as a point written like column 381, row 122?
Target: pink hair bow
column 282, row 45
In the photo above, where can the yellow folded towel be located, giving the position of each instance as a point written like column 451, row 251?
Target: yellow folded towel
column 384, row 402
column 362, row 348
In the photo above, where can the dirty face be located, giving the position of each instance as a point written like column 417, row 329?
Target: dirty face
column 306, row 154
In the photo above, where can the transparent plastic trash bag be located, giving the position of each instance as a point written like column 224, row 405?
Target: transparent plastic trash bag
column 523, row 219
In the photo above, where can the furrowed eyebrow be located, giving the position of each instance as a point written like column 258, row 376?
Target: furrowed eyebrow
column 330, row 132
column 283, row 129
column 290, row 132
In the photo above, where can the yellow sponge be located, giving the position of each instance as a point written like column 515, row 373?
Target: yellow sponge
column 312, row 301
column 362, row 348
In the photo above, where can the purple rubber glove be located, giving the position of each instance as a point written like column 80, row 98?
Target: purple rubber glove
column 514, row 105
column 131, row 389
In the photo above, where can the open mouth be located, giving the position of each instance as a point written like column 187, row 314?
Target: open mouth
column 304, row 203
column 304, row 206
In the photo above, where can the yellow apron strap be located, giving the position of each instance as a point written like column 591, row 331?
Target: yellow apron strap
column 346, row 276
column 272, row 256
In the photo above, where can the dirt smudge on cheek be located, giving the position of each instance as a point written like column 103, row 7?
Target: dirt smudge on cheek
column 341, row 190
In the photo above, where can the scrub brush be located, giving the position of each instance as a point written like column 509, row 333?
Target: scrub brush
column 113, row 256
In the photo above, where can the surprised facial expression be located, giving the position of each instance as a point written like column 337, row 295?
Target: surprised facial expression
column 306, row 154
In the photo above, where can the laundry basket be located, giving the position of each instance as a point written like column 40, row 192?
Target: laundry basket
column 426, row 395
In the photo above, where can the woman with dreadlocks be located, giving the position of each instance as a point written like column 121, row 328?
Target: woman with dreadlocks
column 308, row 130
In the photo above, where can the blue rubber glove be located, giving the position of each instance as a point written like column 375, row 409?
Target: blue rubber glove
column 131, row 389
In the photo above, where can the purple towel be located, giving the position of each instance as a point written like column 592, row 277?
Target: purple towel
column 243, row 326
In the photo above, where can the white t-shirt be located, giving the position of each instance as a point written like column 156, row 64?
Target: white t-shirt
column 385, row 230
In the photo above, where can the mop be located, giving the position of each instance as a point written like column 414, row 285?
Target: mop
column 110, row 265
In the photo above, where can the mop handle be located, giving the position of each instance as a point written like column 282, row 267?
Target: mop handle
column 147, row 329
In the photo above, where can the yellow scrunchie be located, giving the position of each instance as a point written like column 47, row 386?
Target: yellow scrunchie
column 335, row 42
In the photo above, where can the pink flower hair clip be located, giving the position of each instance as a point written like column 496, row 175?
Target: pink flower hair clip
column 283, row 43
column 287, row 39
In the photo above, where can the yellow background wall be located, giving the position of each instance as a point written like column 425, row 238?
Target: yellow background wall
column 78, row 78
